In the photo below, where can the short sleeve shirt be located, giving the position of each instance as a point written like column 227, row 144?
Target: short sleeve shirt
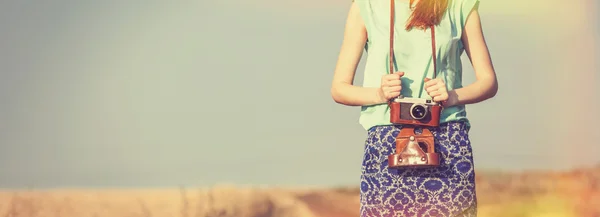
column 412, row 54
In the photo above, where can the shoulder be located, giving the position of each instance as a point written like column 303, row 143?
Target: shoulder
column 461, row 9
column 361, row 2
column 363, row 9
column 463, row 4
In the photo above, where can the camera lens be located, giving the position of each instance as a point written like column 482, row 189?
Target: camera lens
column 418, row 111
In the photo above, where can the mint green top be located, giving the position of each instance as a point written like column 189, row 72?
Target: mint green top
column 412, row 52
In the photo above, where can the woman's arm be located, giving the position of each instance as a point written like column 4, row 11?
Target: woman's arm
column 342, row 89
column 486, row 85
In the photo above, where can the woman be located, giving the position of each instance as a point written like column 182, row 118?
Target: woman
column 446, row 190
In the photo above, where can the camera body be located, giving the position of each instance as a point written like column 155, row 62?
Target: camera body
column 415, row 111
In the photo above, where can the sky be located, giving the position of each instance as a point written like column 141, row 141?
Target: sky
column 196, row 93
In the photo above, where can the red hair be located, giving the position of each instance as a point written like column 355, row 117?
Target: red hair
column 426, row 13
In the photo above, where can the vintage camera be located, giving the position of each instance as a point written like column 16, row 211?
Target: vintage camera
column 415, row 111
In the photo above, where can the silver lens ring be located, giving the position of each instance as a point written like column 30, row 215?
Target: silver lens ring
column 420, row 109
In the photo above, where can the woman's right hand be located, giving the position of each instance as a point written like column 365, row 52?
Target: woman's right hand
column 391, row 86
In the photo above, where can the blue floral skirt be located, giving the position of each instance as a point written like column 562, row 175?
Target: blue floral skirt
column 444, row 191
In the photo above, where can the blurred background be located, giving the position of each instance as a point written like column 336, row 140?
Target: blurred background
column 154, row 95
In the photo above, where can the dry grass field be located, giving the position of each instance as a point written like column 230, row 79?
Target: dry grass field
column 535, row 194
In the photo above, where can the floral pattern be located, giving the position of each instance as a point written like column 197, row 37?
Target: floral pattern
column 444, row 191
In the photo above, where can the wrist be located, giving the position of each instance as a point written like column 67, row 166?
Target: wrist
column 379, row 97
column 452, row 99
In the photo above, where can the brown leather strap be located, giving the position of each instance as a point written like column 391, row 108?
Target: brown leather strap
column 433, row 53
column 433, row 50
column 392, row 17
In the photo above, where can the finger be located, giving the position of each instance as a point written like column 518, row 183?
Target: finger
column 437, row 80
column 394, row 94
column 430, row 83
column 392, row 77
column 399, row 74
column 395, row 88
column 441, row 85
column 392, row 89
column 385, row 82
column 394, row 83
column 440, row 98
column 436, row 88
column 435, row 94
column 431, row 89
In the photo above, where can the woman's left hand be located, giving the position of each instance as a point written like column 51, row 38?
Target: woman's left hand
column 436, row 88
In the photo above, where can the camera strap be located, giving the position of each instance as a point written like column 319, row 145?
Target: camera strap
column 432, row 30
